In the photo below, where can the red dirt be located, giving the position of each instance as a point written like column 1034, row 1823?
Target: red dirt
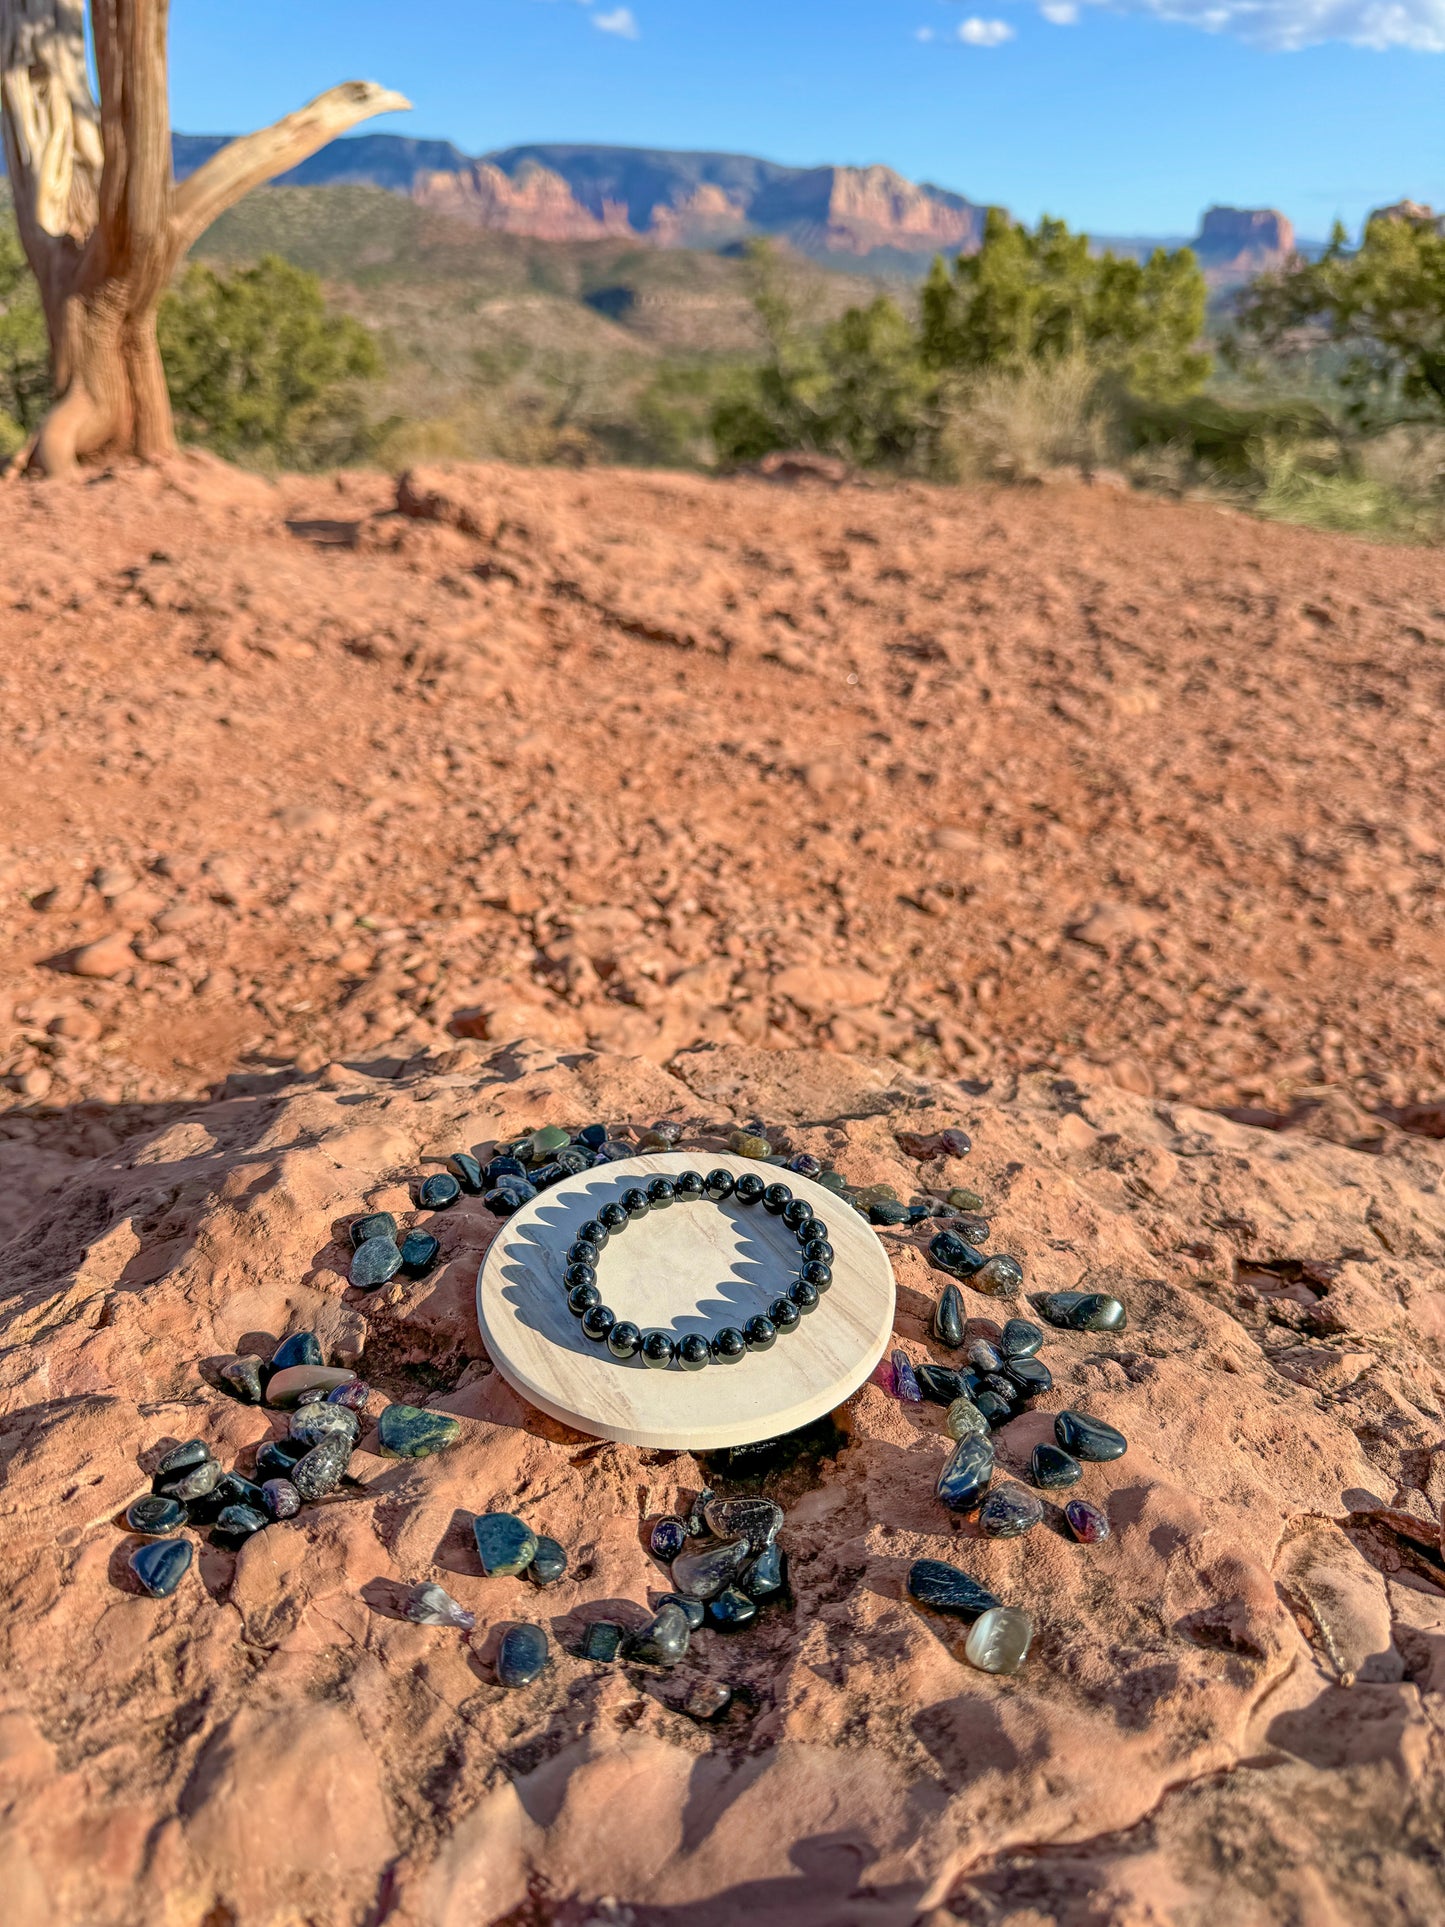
column 998, row 780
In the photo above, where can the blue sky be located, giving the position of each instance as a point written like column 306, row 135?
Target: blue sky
column 1124, row 118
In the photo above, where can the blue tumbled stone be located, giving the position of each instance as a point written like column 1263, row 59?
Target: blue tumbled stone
column 521, row 1655
column 440, row 1191
column 966, row 1473
column 162, row 1565
column 301, row 1348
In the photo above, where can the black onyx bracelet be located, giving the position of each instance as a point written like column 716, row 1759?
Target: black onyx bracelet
column 658, row 1348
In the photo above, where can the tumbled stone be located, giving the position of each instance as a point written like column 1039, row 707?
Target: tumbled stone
column 1089, row 1438
column 419, row 1252
column 503, row 1168
column 432, row 1605
column 1051, row 1466
column 707, row 1699
column 243, row 1375
column 543, row 1176
column 1057, row 1306
column 549, row 1562
column 998, row 1641
column 162, row 1565
column 966, row 1473
column 543, row 1143
column 961, row 1199
column 756, row 1520
column 694, row 1611
column 984, row 1357
column 281, row 1498
column 954, row 1254
column 944, row 1589
column 574, row 1159
column 661, row 1136
column 1001, row 1387
column 602, row 1641
column 410, row 1432
column 1089, row 1523
column 190, row 1482
column 805, row 1164
column 905, row 1380
column 667, row 1539
column 313, row 1423
column 155, row 1514
column 184, row 1458
column 833, row 1181
column 703, row 1574
column 731, row 1610
column 237, row 1522
column 766, row 1579
column 941, row 1384
column 1031, row 1375
column 1098, row 1312
column 507, row 1198
column 1020, row 1338
column 521, row 1656
column 439, row 1192
column 277, row 1458
column 1009, row 1511
column 376, row 1224
column 695, row 1523
column 963, row 1417
column 955, row 1142
column 301, row 1348
column 504, row 1545
column 998, row 1411
column 284, row 1388
column 235, row 1489
column 999, row 1276
column 664, row 1640
column 321, row 1468
column 884, row 1211
column 948, row 1318
column 747, row 1144
column 352, row 1396
column 466, row 1170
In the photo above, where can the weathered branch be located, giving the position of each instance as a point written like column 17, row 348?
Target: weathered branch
column 52, row 125
column 259, row 157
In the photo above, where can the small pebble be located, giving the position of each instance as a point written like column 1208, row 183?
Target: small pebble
column 948, row 1318
column 243, row 1375
column 1089, row 1523
column 945, row 1589
column 833, row 1181
column 886, row 1211
column 704, row 1574
column 998, row 1411
column 746, row 1144
column 956, row 1143
column 694, row 1611
column 376, row 1224
column 521, row 1656
column 301, row 1348
column 707, row 1699
column 966, row 1473
column 905, row 1381
column 1021, row 1338
column 502, row 1168
column 695, row 1524
column 1089, row 1438
column 756, row 1520
column 549, row 1562
column 998, row 1641
column 731, row 1610
column 602, row 1640
column 439, row 1192
column 284, row 1388
column 235, row 1489
column 321, row 1468
column 963, row 1200
column 1051, row 1466
column 573, row 1159
column 155, row 1514
column 466, row 1170
column 433, row 1605
column 162, row 1565
column 282, row 1499
column 237, row 1522
column 593, row 1136
column 963, row 1417
column 661, row 1136
column 998, row 1277
column 1009, row 1511
column 806, row 1165
column 419, row 1252
column 667, row 1540
column 504, row 1545
column 410, row 1432
column 664, row 1640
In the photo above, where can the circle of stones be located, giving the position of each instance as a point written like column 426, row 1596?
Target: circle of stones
column 658, row 1348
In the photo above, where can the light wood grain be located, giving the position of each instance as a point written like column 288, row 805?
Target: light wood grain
column 692, row 1267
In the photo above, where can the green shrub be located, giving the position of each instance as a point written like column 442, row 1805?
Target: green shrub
column 24, row 351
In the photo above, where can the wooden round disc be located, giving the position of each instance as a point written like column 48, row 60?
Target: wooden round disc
column 694, row 1267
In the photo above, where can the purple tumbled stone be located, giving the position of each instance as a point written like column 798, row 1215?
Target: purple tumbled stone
column 283, row 1501
column 1088, row 1522
column 669, row 1536
column 352, row 1396
column 905, row 1381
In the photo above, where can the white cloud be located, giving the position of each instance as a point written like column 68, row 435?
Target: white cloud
column 1286, row 25
column 984, row 33
column 923, row 33
column 621, row 21
column 1059, row 13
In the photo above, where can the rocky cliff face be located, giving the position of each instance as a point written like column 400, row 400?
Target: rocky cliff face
column 1244, row 239
column 534, row 201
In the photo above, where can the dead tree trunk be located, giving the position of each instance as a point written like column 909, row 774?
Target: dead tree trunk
column 103, row 223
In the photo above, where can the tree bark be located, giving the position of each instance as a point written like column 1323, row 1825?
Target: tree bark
column 102, row 221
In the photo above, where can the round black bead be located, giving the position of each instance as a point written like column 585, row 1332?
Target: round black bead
column 613, row 1215
column 658, row 1350
column 784, row 1316
column 749, row 1188
column 583, row 1252
column 718, row 1185
column 593, row 1233
column 624, row 1340
column 818, row 1275
column 582, row 1298
column 817, row 1251
column 817, row 1229
column 688, row 1185
column 635, row 1202
column 694, row 1352
column 661, row 1192
column 776, row 1198
column 729, row 1346
column 579, row 1274
column 597, row 1323
column 804, row 1295
column 797, row 1215
column 760, row 1333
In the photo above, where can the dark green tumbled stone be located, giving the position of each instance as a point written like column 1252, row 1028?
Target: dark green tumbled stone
column 504, row 1545
column 1021, row 1338
column 1098, row 1312
column 948, row 1318
column 1052, row 1466
column 1089, row 1438
column 941, row 1384
column 944, row 1589
column 703, row 1574
column 1009, row 1511
column 243, row 1375
column 321, row 1468
column 731, row 1610
column 376, row 1224
column 419, row 1252
column 155, row 1514
column 549, row 1562
column 966, row 1473
column 602, row 1641
column 237, row 1522
column 301, row 1348
column 162, row 1565
column 887, row 1211
column 466, row 1170
column 664, row 1640
column 999, row 1276
column 409, row 1432
column 543, row 1143
column 439, row 1192
column 521, row 1656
